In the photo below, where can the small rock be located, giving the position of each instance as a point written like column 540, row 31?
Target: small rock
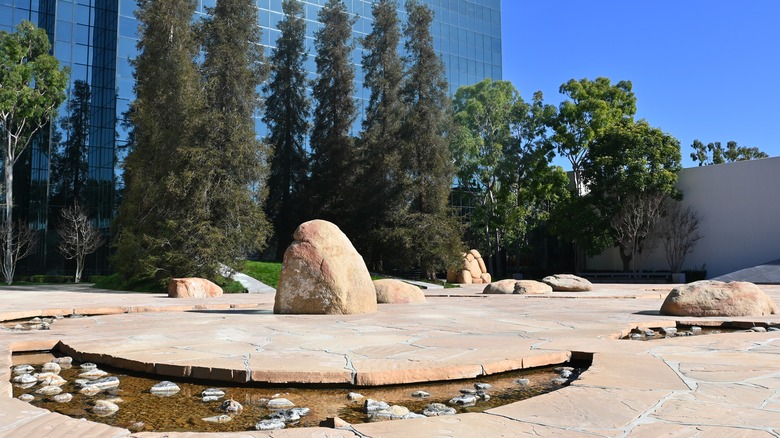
column 285, row 415
column 49, row 390
column 55, row 380
column 636, row 337
column 696, row 330
column 758, row 329
column 468, row 391
column 224, row 418
column 213, row 392
column 394, row 412
column 559, row 381
column 25, row 378
column 18, row 327
column 63, row 398
column 523, row 382
column 262, row 402
column 23, row 369
column 210, row 398
column 438, row 409
column 90, row 390
column 24, row 385
column 411, row 415
column 43, row 376
column 136, row 426
column 482, row 386
column 269, row 425
column 649, row 333
column 668, row 331
column 63, row 360
column 93, row 374
column 302, row 412
column 103, row 408
column 165, row 388
column 231, row 406
column 371, row 405
column 88, row 366
column 116, row 400
column 279, row 403
column 353, row 396
column 464, row 400
column 420, row 394
column 51, row 367
column 565, row 374
column 483, row 395
column 26, row 397
column 774, row 329
column 104, row 383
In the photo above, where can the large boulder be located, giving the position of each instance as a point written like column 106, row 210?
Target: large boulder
column 567, row 283
column 193, row 288
column 531, row 287
column 500, row 287
column 716, row 298
column 322, row 273
column 390, row 291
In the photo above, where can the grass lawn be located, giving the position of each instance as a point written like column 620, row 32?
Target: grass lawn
column 267, row 272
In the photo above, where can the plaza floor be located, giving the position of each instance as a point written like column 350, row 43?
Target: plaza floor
column 715, row 385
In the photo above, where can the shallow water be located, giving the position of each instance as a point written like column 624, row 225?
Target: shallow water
column 185, row 410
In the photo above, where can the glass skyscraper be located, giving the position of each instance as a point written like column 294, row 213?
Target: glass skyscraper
column 97, row 39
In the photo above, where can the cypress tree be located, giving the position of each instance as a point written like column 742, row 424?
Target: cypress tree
column 433, row 233
column 233, row 160
column 162, row 222
column 286, row 115
column 333, row 153
column 381, row 176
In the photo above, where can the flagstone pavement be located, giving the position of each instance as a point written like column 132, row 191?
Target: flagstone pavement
column 725, row 385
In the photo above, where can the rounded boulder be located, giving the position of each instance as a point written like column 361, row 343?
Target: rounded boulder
column 322, row 273
column 193, row 288
column 500, row 287
column 390, row 291
column 567, row 283
column 531, row 287
column 717, row 298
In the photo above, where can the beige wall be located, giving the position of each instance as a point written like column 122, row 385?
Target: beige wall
column 739, row 204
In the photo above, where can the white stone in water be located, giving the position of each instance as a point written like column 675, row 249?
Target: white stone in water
column 88, row 366
column 90, row 390
column 63, row 398
column 103, row 408
column 523, row 382
column 394, row 412
column 63, row 360
column 420, row 394
column 279, row 403
column 24, row 385
column 758, row 329
column 224, row 418
column 482, row 386
column 48, row 390
column 23, row 369
column 371, row 405
column 285, row 415
column 115, row 400
column 94, row 373
column 468, row 391
column 353, row 396
column 411, row 415
column 54, row 381
column 483, row 395
column 301, row 411
column 636, row 336
column 51, row 367
column 26, row 397
column 559, row 381
column 104, row 383
column 210, row 398
column 213, row 392
column 269, row 425
column 25, row 378
column 669, row 331
column 438, row 409
column 231, row 406
column 43, row 376
column 165, row 388
column 565, row 374
column 464, row 400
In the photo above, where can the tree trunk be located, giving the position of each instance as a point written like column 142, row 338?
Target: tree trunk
column 79, row 268
column 626, row 258
column 8, row 262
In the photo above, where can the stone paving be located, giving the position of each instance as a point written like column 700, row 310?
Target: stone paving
column 712, row 385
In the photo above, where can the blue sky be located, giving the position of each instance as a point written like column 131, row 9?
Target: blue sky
column 702, row 70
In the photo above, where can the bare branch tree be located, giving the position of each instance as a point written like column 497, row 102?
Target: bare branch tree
column 634, row 226
column 22, row 240
column 680, row 233
column 79, row 237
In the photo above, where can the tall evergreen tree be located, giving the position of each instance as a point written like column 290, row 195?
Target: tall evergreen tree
column 69, row 163
column 162, row 224
column 286, row 115
column 333, row 153
column 235, row 160
column 426, row 149
column 381, row 176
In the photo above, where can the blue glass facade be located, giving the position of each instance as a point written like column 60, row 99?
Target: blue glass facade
column 97, row 39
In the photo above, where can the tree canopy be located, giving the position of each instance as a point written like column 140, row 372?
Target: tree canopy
column 714, row 153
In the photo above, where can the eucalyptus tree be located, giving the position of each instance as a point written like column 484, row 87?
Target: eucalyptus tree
column 286, row 114
column 714, row 153
column 32, row 87
column 333, row 155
